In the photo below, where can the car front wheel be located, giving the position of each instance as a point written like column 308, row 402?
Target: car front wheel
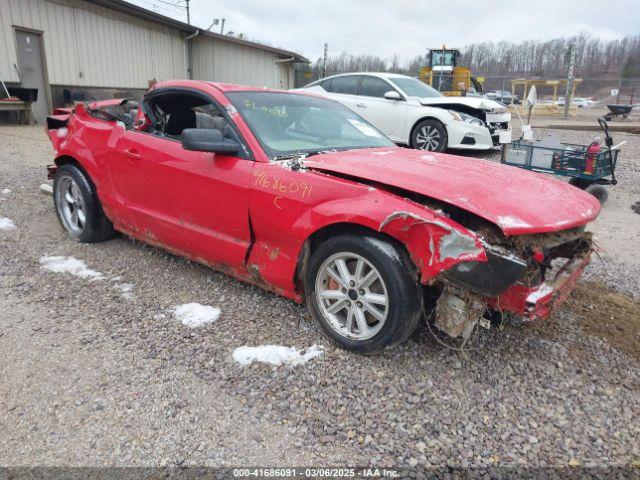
column 361, row 291
column 429, row 134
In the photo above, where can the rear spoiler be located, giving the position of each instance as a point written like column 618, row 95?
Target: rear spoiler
column 55, row 122
column 57, row 127
column 59, row 118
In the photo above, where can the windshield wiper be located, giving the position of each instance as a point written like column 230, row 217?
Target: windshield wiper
column 295, row 160
column 302, row 155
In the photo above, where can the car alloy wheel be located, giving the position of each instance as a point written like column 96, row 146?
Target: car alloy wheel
column 427, row 138
column 352, row 296
column 71, row 205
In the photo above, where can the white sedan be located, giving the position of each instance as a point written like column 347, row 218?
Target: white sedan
column 412, row 113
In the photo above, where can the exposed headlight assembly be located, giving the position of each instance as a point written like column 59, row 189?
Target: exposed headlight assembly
column 471, row 119
column 489, row 278
column 463, row 117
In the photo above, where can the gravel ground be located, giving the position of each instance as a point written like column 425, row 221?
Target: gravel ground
column 93, row 378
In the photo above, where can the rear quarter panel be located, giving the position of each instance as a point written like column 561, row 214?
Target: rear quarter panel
column 90, row 142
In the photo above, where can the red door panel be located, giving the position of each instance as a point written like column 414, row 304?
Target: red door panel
column 194, row 203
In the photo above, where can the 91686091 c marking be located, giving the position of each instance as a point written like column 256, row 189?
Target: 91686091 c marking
column 266, row 181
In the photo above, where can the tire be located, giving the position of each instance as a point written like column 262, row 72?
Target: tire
column 599, row 192
column 579, row 183
column 78, row 207
column 429, row 134
column 391, row 270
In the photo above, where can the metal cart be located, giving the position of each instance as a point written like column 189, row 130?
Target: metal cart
column 587, row 170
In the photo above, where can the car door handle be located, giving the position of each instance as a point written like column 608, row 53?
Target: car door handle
column 361, row 105
column 133, row 154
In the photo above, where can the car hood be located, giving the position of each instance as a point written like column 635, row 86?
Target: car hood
column 472, row 102
column 517, row 201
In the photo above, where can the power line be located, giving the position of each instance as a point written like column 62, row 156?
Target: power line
column 171, row 3
column 154, row 5
column 166, row 10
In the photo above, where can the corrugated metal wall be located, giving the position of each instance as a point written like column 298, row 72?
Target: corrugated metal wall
column 219, row 61
column 91, row 46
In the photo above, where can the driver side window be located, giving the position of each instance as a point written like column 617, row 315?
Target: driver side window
column 176, row 111
column 168, row 113
column 374, row 87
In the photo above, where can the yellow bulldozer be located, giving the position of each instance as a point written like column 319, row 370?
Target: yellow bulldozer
column 444, row 73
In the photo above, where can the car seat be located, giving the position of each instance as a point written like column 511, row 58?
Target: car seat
column 180, row 119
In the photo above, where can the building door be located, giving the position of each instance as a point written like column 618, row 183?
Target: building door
column 282, row 72
column 31, row 68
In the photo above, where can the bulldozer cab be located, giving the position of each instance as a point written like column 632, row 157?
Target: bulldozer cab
column 444, row 73
column 444, row 58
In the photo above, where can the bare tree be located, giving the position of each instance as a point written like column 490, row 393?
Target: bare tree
column 594, row 58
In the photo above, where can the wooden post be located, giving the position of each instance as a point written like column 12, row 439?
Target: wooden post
column 503, row 153
column 570, row 87
column 323, row 73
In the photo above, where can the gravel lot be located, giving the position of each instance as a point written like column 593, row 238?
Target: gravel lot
column 93, row 378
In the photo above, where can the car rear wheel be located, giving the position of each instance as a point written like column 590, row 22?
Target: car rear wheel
column 361, row 291
column 429, row 135
column 598, row 191
column 78, row 207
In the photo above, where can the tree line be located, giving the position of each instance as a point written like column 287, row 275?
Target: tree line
column 595, row 58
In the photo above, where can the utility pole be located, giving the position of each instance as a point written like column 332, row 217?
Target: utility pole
column 568, row 96
column 324, row 61
column 222, row 28
column 188, row 16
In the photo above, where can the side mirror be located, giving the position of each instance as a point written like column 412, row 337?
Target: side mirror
column 208, row 140
column 392, row 95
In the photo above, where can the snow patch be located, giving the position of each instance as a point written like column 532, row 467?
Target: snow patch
column 382, row 153
column 6, row 191
column 7, row 224
column 46, row 188
column 542, row 291
column 275, row 355
column 125, row 290
column 194, row 315
column 510, row 221
column 71, row 265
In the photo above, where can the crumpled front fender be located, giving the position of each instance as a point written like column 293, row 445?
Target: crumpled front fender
column 434, row 243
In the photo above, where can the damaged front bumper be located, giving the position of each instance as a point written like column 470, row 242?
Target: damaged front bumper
column 537, row 303
column 529, row 287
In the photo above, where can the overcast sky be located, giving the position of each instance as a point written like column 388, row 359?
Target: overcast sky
column 406, row 27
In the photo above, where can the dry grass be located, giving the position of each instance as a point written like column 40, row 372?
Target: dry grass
column 608, row 315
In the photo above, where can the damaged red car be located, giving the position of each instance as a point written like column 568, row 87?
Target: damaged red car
column 301, row 196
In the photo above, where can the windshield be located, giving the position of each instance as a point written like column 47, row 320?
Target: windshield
column 286, row 123
column 414, row 87
column 442, row 58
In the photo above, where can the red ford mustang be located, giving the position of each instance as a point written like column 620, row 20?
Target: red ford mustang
column 301, row 196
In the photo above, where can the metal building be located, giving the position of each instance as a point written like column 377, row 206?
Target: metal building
column 94, row 49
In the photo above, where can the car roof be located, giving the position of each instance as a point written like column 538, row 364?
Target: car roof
column 223, row 87
column 375, row 74
column 231, row 87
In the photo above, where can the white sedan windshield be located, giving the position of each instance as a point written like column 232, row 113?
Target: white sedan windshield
column 415, row 88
